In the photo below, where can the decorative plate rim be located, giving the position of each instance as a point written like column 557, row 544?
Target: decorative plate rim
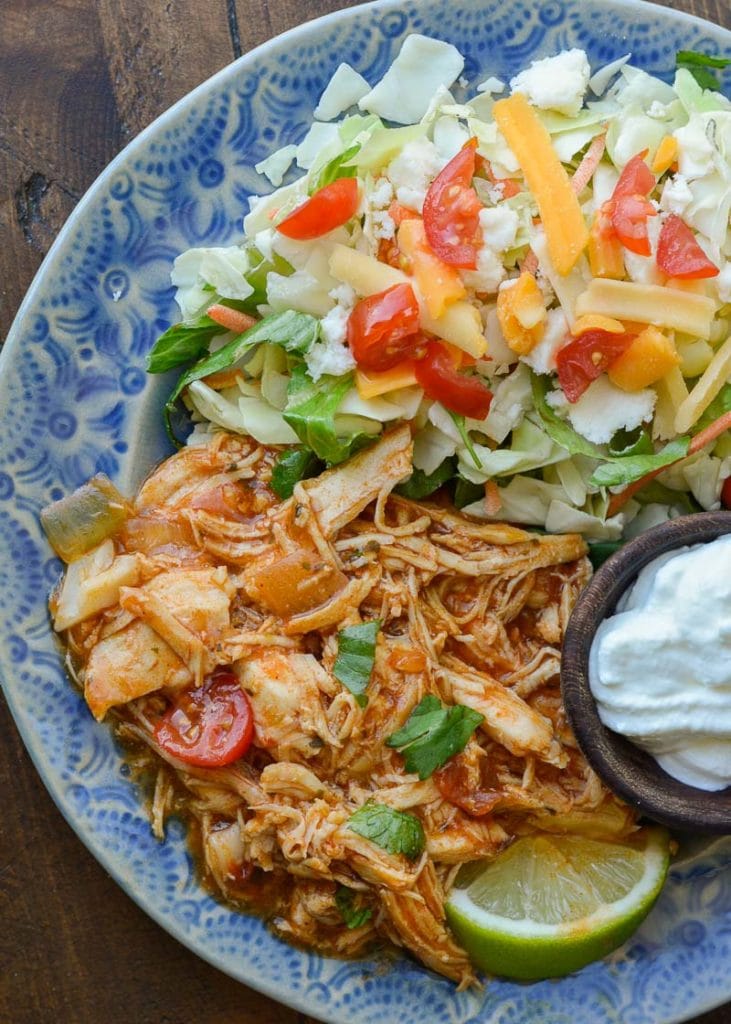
column 294, row 999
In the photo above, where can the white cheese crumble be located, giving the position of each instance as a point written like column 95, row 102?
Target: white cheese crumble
column 542, row 358
column 343, row 90
column 499, row 227
column 556, row 83
column 676, row 195
column 331, row 354
column 413, row 170
column 488, row 275
column 404, row 92
column 604, row 409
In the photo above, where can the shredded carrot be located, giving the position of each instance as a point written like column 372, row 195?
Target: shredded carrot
column 701, row 440
column 592, row 158
column 509, row 186
column 493, row 503
column 231, row 319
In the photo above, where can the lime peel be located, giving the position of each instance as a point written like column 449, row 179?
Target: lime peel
column 529, row 949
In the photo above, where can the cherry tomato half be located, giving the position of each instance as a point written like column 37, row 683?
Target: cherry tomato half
column 586, row 358
column 451, row 211
column 329, row 208
column 210, row 726
column 467, row 396
column 382, row 329
column 678, row 253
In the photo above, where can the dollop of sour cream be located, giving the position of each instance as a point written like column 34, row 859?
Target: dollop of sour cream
column 660, row 668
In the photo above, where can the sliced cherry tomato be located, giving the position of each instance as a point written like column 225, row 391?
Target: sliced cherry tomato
column 678, row 253
column 439, row 379
column 327, row 209
column 586, row 358
column 382, row 329
column 210, row 726
column 636, row 179
column 726, row 493
column 451, row 211
column 629, row 220
column 629, row 207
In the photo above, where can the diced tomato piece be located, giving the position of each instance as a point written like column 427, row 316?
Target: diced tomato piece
column 210, row 726
column 468, row 396
column 399, row 213
column 451, row 211
column 629, row 208
column 455, row 782
column 726, row 493
column 678, row 252
column 629, row 220
column 383, row 329
column 586, row 358
column 329, row 208
column 636, row 179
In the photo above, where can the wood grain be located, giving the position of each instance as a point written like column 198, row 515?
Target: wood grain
column 78, row 79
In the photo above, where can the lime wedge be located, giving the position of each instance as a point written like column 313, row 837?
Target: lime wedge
column 551, row 904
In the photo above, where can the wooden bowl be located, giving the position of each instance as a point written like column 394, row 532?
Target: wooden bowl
column 632, row 773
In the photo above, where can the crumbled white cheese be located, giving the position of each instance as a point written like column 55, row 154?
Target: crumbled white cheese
column 343, row 90
column 657, row 110
column 344, row 295
column 676, row 195
column 695, row 149
column 413, row 170
column 276, row 166
column 556, row 83
column 378, row 221
column 723, row 283
column 491, row 85
column 331, row 354
column 488, row 275
column 604, row 409
column 318, row 139
column 542, row 358
column 381, row 194
column 403, row 94
column 499, row 227
column 384, row 226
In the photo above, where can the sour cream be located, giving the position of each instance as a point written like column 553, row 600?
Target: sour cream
column 660, row 669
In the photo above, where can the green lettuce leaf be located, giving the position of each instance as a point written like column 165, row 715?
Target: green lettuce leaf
column 182, row 343
column 627, row 470
column 341, row 166
column 600, row 550
column 291, row 466
column 295, row 332
column 699, row 65
column 311, row 411
column 465, row 492
column 432, row 734
column 420, row 484
column 558, row 430
column 392, row 830
column 356, row 656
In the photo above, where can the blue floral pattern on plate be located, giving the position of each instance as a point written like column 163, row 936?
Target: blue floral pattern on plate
column 75, row 400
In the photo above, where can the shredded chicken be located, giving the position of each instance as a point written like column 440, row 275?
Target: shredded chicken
column 212, row 570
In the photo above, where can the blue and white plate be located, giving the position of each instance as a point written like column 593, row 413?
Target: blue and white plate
column 75, row 399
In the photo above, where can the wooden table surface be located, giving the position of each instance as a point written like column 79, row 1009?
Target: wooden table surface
column 79, row 79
